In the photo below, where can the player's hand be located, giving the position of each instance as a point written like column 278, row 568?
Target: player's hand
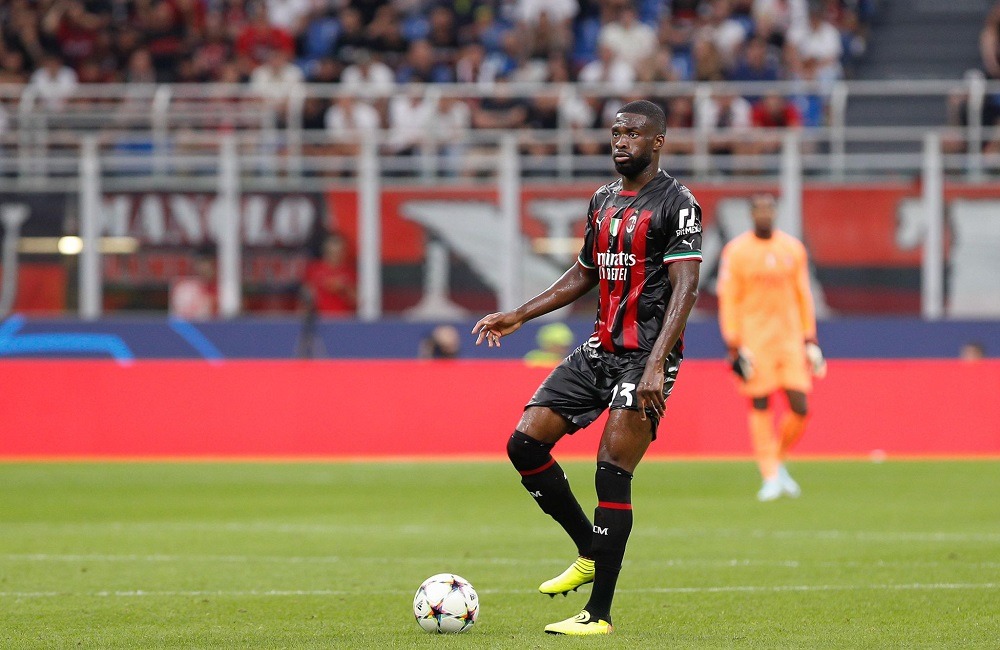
column 741, row 362
column 649, row 392
column 490, row 328
column 817, row 364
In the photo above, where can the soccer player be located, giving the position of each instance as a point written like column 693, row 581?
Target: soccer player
column 642, row 248
column 768, row 321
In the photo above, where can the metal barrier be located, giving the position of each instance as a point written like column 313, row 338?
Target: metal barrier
column 166, row 130
column 224, row 140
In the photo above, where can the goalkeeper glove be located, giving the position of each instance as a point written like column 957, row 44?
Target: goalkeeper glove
column 816, row 361
column 742, row 363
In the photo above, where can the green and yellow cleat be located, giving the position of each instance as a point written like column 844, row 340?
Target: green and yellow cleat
column 579, row 625
column 579, row 573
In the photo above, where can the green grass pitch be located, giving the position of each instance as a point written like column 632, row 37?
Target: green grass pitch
column 328, row 555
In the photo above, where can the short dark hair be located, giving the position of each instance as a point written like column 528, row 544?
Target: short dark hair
column 652, row 111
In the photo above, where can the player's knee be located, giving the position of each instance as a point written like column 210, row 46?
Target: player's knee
column 798, row 404
column 526, row 453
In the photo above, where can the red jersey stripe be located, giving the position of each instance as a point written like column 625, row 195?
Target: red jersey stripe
column 611, row 505
column 630, row 324
column 609, row 303
column 539, row 470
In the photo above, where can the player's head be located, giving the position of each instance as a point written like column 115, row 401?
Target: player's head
column 763, row 210
column 637, row 135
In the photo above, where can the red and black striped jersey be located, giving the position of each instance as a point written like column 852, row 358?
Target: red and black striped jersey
column 630, row 240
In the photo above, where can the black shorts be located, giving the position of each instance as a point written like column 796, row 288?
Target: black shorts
column 592, row 379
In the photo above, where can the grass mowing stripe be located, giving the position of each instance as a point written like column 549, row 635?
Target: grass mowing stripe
column 650, row 531
column 504, row 561
column 138, row 593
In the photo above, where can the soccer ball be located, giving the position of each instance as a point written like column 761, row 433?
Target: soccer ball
column 446, row 604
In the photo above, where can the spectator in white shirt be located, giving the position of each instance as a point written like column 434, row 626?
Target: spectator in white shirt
column 411, row 118
column 452, row 124
column 291, row 15
column 277, row 78
column 631, row 41
column 607, row 68
column 558, row 11
column 54, row 83
column 368, row 75
column 725, row 120
column 774, row 18
column 725, row 32
column 818, row 40
column 345, row 119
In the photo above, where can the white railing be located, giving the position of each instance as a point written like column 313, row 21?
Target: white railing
column 157, row 130
column 179, row 145
column 508, row 184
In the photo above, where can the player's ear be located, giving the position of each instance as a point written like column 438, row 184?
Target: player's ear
column 658, row 142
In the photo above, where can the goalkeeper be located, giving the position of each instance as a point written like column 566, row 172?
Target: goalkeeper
column 768, row 321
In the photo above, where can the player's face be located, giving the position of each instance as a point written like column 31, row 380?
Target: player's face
column 762, row 211
column 633, row 142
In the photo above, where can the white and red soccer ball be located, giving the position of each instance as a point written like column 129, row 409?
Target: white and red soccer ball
column 446, row 604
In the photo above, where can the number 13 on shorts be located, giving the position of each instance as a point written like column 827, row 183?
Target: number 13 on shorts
column 624, row 390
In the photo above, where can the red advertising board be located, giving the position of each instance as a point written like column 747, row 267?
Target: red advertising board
column 386, row 409
column 845, row 225
column 864, row 240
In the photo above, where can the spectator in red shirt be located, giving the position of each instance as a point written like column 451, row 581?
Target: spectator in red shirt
column 771, row 111
column 259, row 37
column 74, row 28
column 329, row 283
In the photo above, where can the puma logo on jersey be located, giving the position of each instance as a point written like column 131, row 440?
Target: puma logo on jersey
column 689, row 242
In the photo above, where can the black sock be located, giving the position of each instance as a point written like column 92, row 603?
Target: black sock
column 547, row 483
column 612, row 525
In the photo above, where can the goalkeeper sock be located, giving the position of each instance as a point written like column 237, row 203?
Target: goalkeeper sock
column 765, row 447
column 612, row 526
column 792, row 426
column 546, row 481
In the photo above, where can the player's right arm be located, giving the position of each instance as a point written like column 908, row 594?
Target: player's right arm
column 574, row 284
column 730, row 291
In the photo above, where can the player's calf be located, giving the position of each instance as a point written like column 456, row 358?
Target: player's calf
column 612, row 526
column 546, row 482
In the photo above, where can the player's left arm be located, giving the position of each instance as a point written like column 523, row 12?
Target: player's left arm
column 684, row 280
column 807, row 313
column 681, row 226
column 806, row 305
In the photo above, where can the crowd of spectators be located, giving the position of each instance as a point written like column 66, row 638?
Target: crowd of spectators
column 429, row 40
column 275, row 45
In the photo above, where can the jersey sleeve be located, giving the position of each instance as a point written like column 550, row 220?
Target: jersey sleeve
column 730, row 292
column 682, row 223
column 807, row 308
column 586, row 256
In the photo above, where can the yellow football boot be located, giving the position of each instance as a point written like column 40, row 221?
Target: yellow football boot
column 579, row 573
column 579, row 625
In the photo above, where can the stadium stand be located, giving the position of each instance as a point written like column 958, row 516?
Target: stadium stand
column 161, row 84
